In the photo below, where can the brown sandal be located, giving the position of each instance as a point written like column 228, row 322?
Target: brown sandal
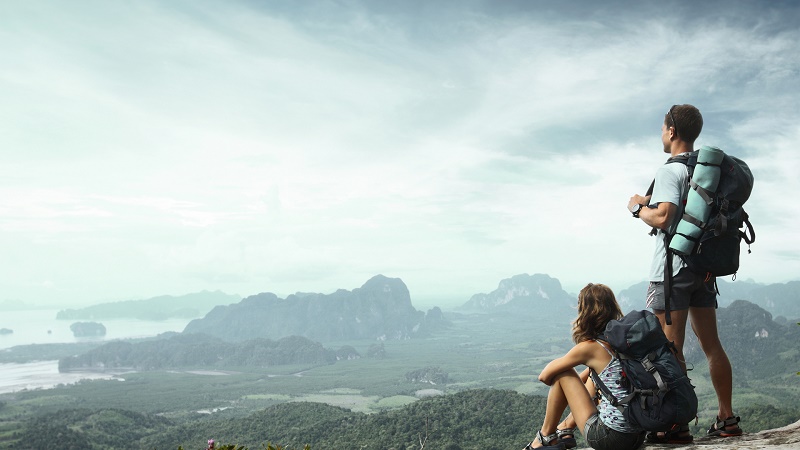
column 717, row 428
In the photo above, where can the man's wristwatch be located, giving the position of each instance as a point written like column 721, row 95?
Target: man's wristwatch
column 635, row 210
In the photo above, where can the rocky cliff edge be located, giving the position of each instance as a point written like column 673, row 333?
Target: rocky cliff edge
column 785, row 438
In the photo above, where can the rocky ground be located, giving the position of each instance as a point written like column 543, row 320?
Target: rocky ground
column 786, row 438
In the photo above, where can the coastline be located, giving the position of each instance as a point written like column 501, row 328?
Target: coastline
column 16, row 377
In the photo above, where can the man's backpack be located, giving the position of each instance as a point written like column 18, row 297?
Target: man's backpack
column 660, row 394
column 718, row 217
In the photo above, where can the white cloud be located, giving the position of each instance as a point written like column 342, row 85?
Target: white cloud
column 168, row 148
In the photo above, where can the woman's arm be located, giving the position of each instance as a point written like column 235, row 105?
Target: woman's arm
column 581, row 353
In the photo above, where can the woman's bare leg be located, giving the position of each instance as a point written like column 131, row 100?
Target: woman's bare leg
column 569, row 421
column 567, row 390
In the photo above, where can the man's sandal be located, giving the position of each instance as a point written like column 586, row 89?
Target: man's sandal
column 547, row 442
column 569, row 442
column 678, row 434
column 718, row 428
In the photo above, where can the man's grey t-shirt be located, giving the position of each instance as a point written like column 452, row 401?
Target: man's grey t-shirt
column 670, row 186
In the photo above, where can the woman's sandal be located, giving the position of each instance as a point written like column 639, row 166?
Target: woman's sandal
column 569, row 442
column 547, row 442
column 678, row 434
column 718, row 428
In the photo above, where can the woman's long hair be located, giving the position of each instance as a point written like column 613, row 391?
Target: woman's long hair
column 596, row 307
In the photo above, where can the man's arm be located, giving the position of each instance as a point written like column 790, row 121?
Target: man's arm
column 666, row 195
column 659, row 217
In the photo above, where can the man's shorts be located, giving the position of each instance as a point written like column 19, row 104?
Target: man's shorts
column 688, row 289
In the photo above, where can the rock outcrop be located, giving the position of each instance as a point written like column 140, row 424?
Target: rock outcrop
column 785, row 438
column 524, row 294
column 380, row 309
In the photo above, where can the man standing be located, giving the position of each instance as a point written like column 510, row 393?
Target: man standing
column 692, row 296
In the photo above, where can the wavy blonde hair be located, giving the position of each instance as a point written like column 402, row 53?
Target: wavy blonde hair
column 596, row 307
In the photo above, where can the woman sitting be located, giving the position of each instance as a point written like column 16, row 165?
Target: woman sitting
column 603, row 425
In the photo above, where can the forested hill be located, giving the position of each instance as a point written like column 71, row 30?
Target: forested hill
column 200, row 350
column 485, row 419
column 162, row 307
column 380, row 309
column 757, row 345
column 477, row 419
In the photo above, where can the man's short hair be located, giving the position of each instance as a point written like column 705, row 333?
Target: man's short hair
column 689, row 121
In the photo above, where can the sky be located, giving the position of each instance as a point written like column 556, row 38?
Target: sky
column 167, row 147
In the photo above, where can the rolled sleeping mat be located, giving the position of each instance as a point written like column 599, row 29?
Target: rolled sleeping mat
column 698, row 204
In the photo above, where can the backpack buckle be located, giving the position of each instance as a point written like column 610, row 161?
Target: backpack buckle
column 648, row 365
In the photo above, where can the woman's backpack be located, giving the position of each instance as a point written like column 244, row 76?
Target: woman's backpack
column 660, row 394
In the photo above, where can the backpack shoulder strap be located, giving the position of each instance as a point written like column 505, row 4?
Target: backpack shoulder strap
column 683, row 158
column 689, row 159
column 601, row 387
column 604, row 390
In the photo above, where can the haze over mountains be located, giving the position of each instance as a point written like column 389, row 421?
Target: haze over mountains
column 382, row 308
column 524, row 294
column 157, row 308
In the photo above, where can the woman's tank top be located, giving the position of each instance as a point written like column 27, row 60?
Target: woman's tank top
column 611, row 376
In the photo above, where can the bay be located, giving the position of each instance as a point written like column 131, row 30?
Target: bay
column 41, row 375
column 42, row 327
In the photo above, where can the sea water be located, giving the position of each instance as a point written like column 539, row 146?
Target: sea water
column 42, row 327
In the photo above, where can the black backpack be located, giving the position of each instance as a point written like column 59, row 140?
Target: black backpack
column 716, row 251
column 660, row 394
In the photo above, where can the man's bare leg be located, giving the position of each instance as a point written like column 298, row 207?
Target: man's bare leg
column 704, row 324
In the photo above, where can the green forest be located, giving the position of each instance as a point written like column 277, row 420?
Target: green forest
column 200, row 350
column 473, row 419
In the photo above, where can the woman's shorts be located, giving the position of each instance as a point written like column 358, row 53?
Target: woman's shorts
column 601, row 437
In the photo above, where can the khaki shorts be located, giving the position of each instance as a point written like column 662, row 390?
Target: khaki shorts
column 688, row 290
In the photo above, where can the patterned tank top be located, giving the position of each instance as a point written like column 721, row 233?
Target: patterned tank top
column 611, row 376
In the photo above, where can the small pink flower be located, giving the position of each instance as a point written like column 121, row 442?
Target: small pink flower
column 210, row 444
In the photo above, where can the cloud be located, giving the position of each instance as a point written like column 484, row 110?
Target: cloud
column 251, row 146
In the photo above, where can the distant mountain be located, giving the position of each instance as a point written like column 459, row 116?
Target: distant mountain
column 182, row 351
column 157, row 308
column 380, row 309
column 633, row 297
column 757, row 345
column 781, row 299
column 525, row 294
column 730, row 291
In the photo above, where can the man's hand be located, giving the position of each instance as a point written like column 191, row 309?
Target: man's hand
column 638, row 200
